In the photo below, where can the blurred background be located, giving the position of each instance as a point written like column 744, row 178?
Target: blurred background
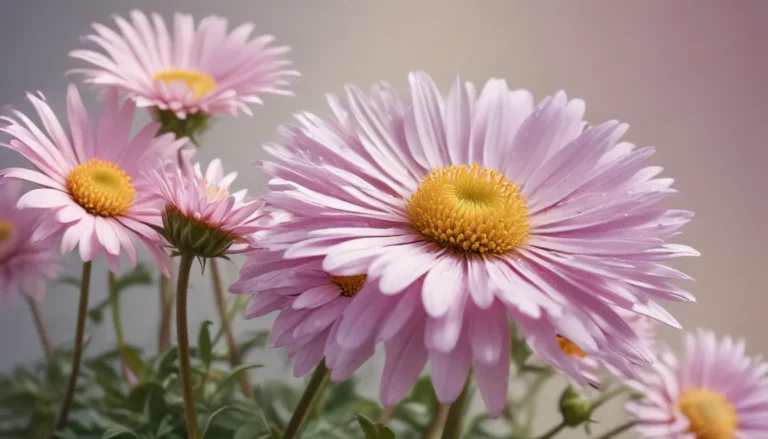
column 688, row 76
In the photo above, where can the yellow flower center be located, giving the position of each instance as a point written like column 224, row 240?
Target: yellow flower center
column 215, row 193
column 6, row 230
column 569, row 348
column 470, row 209
column 101, row 188
column 200, row 83
column 349, row 285
column 710, row 414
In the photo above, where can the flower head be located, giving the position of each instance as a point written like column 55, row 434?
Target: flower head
column 94, row 190
column 468, row 211
column 25, row 263
column 203, row 69
column 310, row 302
column 715, row 392
column 201, row 217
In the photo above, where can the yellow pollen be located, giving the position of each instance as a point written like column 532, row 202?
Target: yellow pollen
column 200, row 83
column 6, row 230
column 215, row 193
column 470, row 209
column 569, row 348
column 101, row 188
column 710, row 414
column 349, row 285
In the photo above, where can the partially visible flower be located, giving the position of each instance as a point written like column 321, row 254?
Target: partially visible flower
column 95, row 192
column 25, row 263
column 715, row 392
column 310, row 302
column 190, row 70
column 201, row 217
column 471, row 210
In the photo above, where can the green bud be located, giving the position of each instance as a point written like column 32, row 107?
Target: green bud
column 192, row 237
column 575, row 409
column 193, row 126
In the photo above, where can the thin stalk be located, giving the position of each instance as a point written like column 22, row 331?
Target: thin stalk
column 618, row 430
column 437, row 421
column 455, row 418
column 42, row 330
column 608, row 396
column 235, row 359
column 166, row 314
column 316, row 383
column 185, row 371
column 77, row 353
column 114, row 306
column 553, row 432
column 386, row 415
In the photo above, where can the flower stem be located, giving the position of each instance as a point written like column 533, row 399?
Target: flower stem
column 166, row 314
column 235, row 359
column 553, row 432
column 185, row 371
column 618, row 430
column 77, row 353
column 42, row 330
column 455, row 418
column 438, row 421
column 114, row 306
column 305, row 403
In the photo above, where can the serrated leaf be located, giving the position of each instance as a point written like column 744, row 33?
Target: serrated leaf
column 119, row 433
column 204, row 344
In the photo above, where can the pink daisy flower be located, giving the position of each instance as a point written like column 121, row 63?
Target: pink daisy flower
column 200, row 69
column 715, row 392
column 93, row 191
column 310, row 302
column 201, row 217
column 469, row 211
column 25, row 263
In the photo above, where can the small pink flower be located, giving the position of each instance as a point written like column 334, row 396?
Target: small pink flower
column 94, row 190
column 25, row 263
column 201, row 216
column 205, row 69
column 715, row 392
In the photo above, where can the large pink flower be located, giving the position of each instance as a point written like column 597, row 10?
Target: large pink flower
column 201, row 215
column 25, row 263
column 203, row 69
column 94, row 189
column 470, row 211
column 715, row 392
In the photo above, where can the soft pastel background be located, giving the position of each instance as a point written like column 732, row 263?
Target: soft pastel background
column 689, row 76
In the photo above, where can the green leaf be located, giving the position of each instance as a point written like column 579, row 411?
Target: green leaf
column 370, row 429
column 204, row 344
column 119, row 433
column 132, row 359
column 209, row 422
column 138, row 276
column 232, row 375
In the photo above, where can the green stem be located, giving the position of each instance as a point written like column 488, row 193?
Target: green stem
column 77, row 352
column 114, row 306
column 235, row 359
column 608, row 396
column 316, row 382
column 166, row 314
column 441, row 414
column 553, row 432
column 42, row 330
column 185, row 371
column 618, row 430
column 455, row 419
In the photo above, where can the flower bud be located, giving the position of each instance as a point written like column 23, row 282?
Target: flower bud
column 575, row 409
